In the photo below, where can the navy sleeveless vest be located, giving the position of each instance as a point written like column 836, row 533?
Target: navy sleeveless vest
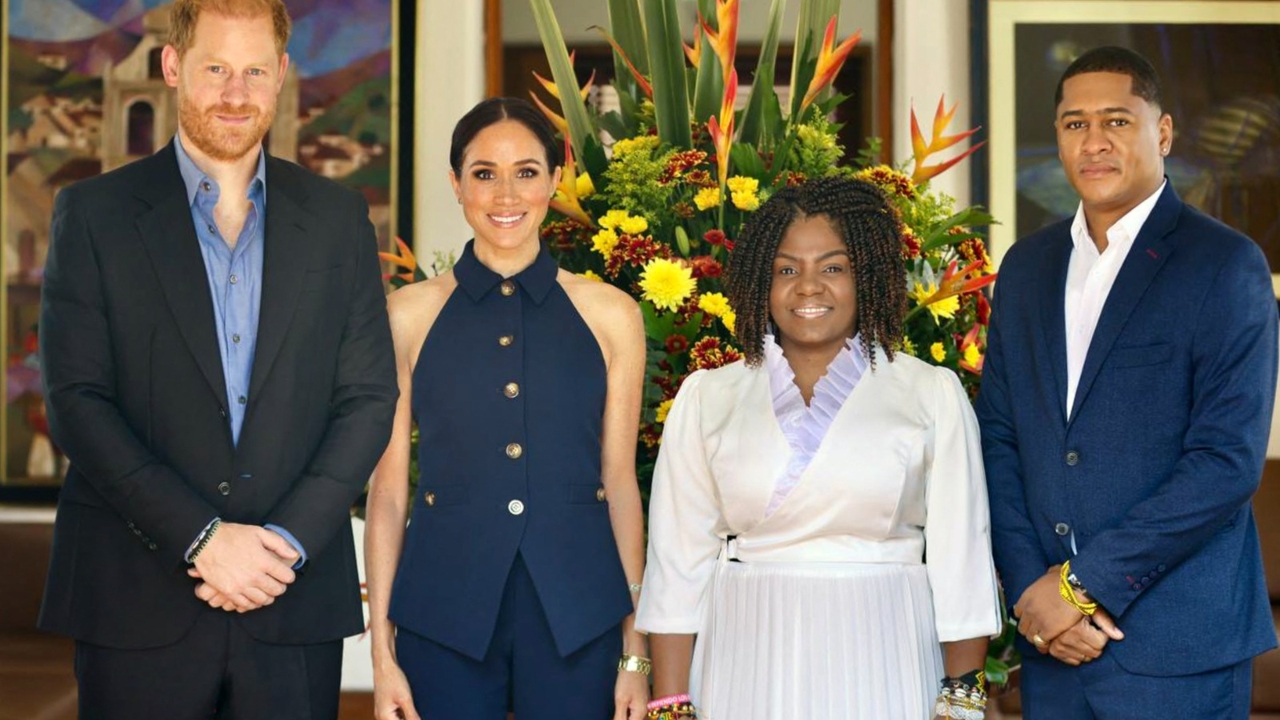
column 509, row 397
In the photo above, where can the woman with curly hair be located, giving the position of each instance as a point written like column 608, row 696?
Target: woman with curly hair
column 819, row 515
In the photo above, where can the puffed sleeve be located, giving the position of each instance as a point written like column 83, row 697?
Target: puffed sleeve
column 684, row 510
column 957, row 527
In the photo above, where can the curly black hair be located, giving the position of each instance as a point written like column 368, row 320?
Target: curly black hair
column 872, row 230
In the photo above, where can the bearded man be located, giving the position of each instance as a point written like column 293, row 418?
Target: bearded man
column 219, row 371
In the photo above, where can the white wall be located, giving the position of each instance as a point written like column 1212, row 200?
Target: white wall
column 930, row 58
column 450, row 61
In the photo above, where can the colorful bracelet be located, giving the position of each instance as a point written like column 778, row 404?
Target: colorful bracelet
column 669, row 700
column 673, row 711
column 634, row 663
column 963, row 698
column 1068, row 593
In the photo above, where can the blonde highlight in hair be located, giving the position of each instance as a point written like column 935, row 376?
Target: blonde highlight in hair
column 184, row 14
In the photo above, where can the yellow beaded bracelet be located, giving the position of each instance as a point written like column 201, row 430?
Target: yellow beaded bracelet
column 1068, row 593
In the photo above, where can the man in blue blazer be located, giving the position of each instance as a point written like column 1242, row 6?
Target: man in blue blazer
column 1125, row 409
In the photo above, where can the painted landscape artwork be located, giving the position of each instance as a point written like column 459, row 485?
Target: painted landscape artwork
column 85, row 94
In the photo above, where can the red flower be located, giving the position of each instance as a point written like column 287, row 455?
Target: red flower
column 984, row 309
column 705, row 266
column 911, row 244
column 708, row 354
column 677, row 344
column 634, row 250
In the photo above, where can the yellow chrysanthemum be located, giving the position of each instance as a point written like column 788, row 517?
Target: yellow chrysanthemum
column 663, row 409
column 604, row 241
column 745, row 201
column 613, row 219
column 937, row 352
column 586, row 188
column 730, row 319
column 591, row 275
column 632, row 225
column 714, row 304
column 629, row 145
column 740, row 184
column 972, row 355
column 944, row 308
column 707, row 198
column 666, row 284
column 908, row 347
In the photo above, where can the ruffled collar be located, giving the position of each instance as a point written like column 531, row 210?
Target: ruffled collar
column 804, row 426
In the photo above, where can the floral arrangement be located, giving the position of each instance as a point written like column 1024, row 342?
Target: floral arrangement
column 656, row 213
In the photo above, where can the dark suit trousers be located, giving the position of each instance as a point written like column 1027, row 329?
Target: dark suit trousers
column 521, row 669
column 1102, row 690
column 216, row 672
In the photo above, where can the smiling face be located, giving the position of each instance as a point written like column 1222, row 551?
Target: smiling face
column 227, row 82
column 505, row 186
column 813, row 293
column 1112, row 144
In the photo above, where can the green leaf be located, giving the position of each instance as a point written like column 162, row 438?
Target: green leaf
column 745, row 159
column 938, row 236
column 753, row 121
column 612, row 123
column 657, row 327
column 628, row 30
column 666, row 58
column 575, row 110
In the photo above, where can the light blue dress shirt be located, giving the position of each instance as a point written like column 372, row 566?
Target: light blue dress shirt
column 235, row 284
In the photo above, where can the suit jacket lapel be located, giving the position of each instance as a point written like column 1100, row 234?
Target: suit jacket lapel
column 284, row 265
column 1053, row 320
column 170, row 240
column 1149, row 252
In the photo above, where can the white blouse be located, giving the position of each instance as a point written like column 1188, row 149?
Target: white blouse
column 898, row 474
column 806, row 425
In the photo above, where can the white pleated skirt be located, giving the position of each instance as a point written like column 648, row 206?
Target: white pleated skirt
column 817, row 641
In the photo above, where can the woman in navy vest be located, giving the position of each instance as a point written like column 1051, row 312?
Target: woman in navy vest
column 512, row 586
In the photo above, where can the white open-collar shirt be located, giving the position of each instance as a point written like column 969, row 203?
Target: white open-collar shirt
column 1090, row 275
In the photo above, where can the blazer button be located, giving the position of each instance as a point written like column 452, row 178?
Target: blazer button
column 507, row 288
column 224, row 488
column 1062, row 529
column 506, row 340
column 600, row 494
column 1072, row 457
column 511, row 390
column 514, row 451
column 151, row 546
column 222, row 411
column 430, row 499
column 515, row 507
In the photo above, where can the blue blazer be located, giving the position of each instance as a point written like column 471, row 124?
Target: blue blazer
column 1153, row 474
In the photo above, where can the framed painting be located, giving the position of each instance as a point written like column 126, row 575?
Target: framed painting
column 1220, row 65
column 83, row 94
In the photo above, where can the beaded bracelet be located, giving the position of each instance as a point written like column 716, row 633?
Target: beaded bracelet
column 673, row 711
column 1068, row 592
column 962, row 698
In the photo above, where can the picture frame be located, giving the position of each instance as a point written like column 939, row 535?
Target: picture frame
column 84, row 93
column 1220, row 86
